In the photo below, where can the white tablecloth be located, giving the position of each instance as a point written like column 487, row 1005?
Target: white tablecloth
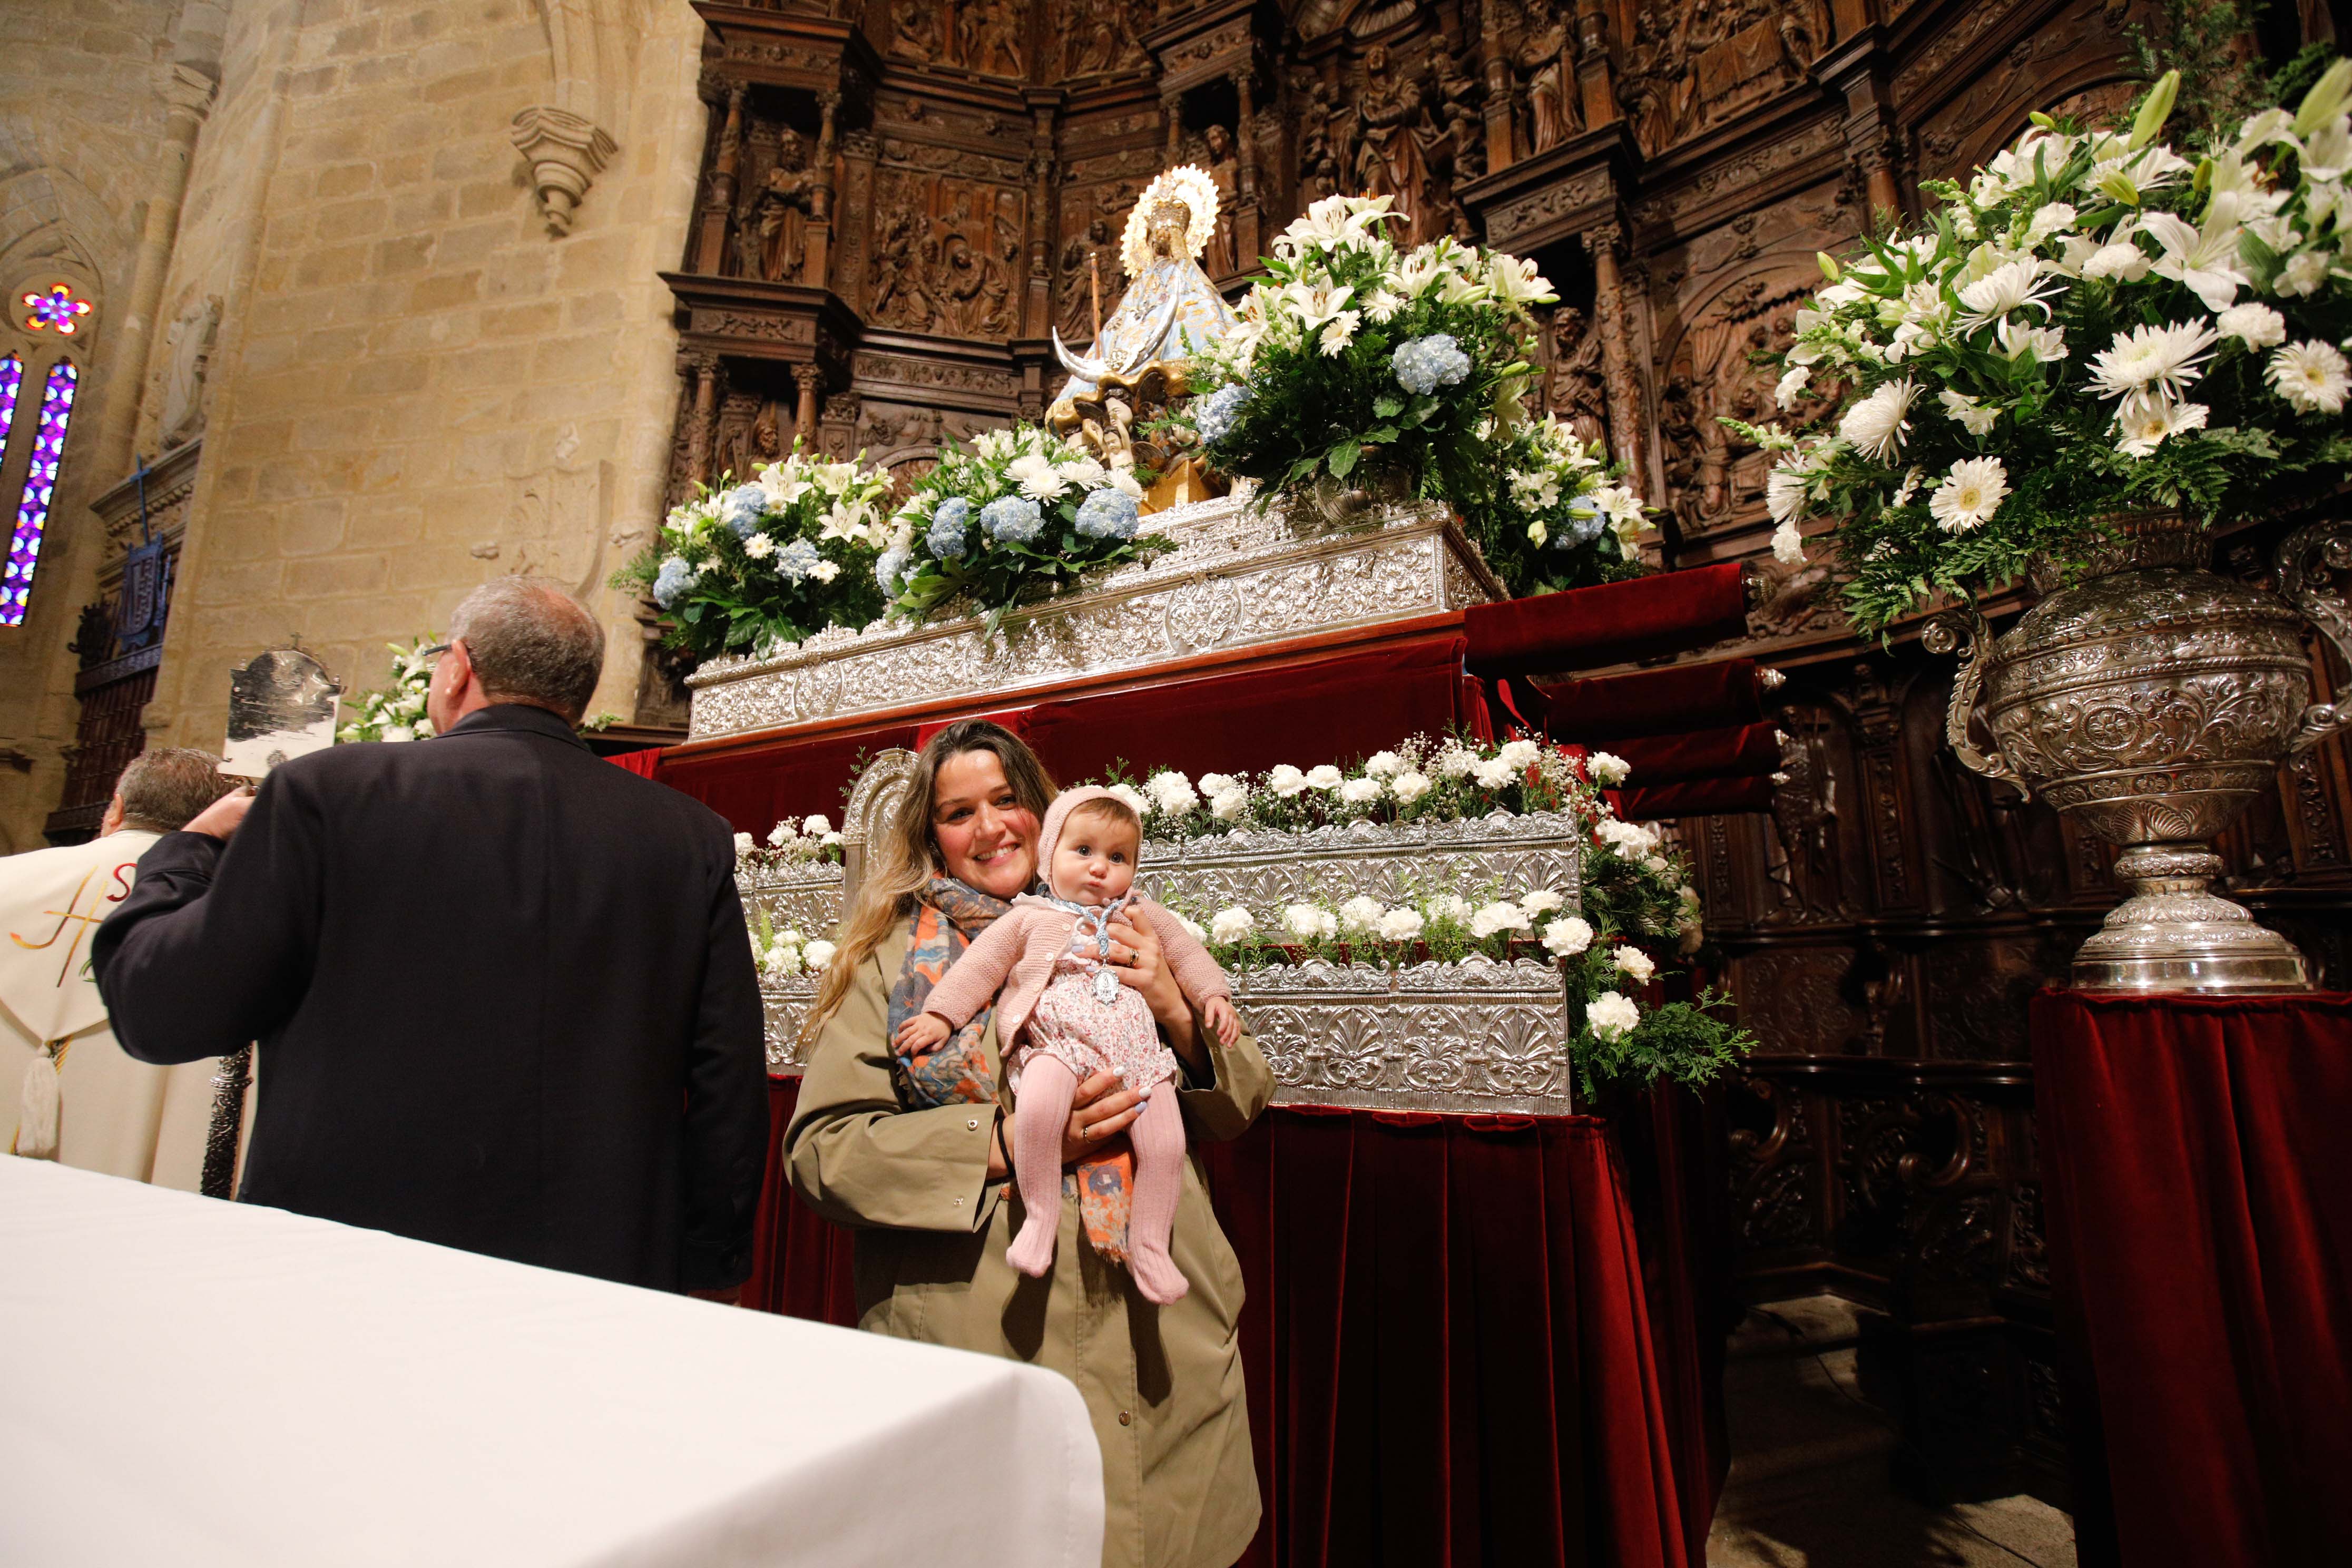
column 189, row 1382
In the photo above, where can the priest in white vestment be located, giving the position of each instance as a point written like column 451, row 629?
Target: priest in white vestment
column 68, row 1092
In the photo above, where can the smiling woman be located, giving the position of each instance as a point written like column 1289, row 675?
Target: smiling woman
column 909, row 1150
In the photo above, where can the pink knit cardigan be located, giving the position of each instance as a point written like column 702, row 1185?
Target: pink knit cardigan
column 1016, row 955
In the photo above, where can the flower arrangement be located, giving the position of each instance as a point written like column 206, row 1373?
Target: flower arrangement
column 2095, row 322
column 1557, row 519
column 803, row 841
column 397, row 711
column 1352, row 353
column 782, row 954
column 1017, row 511
column 775, row 558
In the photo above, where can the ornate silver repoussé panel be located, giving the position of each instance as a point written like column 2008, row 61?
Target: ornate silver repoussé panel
column 1262, row 870
column 1236, row 578
column 1476, row 1036
column 805, row 896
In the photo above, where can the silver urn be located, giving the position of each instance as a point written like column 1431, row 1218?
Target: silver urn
column 2151, row 701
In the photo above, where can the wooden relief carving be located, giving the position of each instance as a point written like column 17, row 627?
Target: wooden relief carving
column 1693, row 63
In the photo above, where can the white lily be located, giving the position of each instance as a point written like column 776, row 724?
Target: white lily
column 2203, row 258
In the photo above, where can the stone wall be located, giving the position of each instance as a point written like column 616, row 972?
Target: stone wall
column 81, row 117
column 416, row 381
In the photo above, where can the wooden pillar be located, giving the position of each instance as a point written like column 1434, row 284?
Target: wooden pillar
column 1622, row 380
column 1246, row 205
column 703, row 368
column 710, row 236
column 1171, row 104
column 818, row 252
column 1497, row 70
column 806, row 382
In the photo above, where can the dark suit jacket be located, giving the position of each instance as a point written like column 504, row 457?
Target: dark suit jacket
column 503, row 992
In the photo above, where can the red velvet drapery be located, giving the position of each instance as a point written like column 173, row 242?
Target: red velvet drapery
column 1448, row 1338
column 2200, row 1232
column 1315, row 709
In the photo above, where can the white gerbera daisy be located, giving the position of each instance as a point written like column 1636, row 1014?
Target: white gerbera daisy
column 1970, row 494
column 2147, row 420
column 2312, row 375
column 2168, row 357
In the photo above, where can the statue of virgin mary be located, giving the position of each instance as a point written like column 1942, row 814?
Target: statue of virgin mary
column 1170, row 312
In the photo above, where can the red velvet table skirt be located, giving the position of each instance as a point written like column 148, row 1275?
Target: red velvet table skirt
column 2200, row 1228
column 1448, row 1340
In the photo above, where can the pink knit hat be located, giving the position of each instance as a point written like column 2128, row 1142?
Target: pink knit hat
column 1068, row 800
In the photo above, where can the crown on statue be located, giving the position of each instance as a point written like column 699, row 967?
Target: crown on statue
column 1186, row 186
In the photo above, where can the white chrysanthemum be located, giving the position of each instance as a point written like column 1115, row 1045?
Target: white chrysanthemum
column 1497, row 917
column 1784, row 492
column 1875, row 425
column 1607, row 769
column 1611, row 1014
column 1409, row 786
column 2256, row 326
column 1227, row 804
column 1380, row 306
column 1566, row 938
column 1401, row 925
column 1038, row 476
column 1634, row 963
column 1360, row 791
column 1231, row 923
column 2017, row 286
column 2170, row 357
column 1286, row 781
column 1307, row 923
column 1972, row 415
column 1970, row 494
column 2148, row 420
column 2310, row 374
column 1383, row 765
column 1540, row 901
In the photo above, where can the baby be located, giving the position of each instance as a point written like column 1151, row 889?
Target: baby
column 1064, row 1016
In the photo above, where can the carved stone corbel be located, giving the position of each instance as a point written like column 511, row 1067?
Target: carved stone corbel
column 566, row 153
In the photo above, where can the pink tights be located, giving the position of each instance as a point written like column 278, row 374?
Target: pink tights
column 1040, row 1114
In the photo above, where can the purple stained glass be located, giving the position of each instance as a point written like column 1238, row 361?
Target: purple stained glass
column 40, row 481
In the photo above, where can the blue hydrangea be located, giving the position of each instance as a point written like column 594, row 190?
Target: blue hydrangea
column 887, row 568
column 1015, row 520
column 947, row 523
column 676, row 575
column 797, row 560
column 1584, row 525
column 740, row 509
column 1425, row 364
column 1110, row 514
column 1221, row 411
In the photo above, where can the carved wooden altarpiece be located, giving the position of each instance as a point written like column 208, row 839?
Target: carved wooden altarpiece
column 900, row 200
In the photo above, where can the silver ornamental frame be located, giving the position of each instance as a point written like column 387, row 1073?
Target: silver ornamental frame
column 1237, row 579
column 1477, row 1036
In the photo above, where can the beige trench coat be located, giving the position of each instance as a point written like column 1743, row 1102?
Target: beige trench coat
column 1163, row 1385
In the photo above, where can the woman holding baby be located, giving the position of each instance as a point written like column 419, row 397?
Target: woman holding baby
column 914, row 1127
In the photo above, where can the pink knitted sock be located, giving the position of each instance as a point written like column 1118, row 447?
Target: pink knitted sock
column 1159, row 1138
column 1040, row 1112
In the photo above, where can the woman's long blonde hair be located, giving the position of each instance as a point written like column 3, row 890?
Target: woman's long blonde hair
column 901, row 863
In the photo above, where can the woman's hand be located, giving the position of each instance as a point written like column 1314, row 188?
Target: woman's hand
column 1135, row 956
column 1099, row 1111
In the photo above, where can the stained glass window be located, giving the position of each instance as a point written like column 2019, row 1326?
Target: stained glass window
column 40, row 480
column 58, row 309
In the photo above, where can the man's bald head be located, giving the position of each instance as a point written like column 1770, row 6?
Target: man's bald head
column 531, row 641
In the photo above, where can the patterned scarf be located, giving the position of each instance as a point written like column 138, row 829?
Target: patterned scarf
column 956, row 1071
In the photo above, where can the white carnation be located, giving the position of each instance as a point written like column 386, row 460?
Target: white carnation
column 1360, row 791
column 1171, row 792
column 1499, row 916
column 1409, row 787
column 1307, row 923
column 816, row 826
column 1360, row 913
column 1455, row 761
column 1383, row 765
column 817, row 954
column 1228, row 804
column 1449, row 907
column 1519, row 754
column 1541, row 900
column 782, row 962
column 1634, row 963
column 1611, row 1014
column 1566, row 938
column 1231, row 923
column 1286, row 781
column 782, row 834
column 1192, row 928
column 1608, row 769
column 1323, row 777
column 1218, row 783
column 1787, row 545
column 1494, row 773
column 1631, row 840
column 744, row 844
column 1401, row 925
column 2256, row 326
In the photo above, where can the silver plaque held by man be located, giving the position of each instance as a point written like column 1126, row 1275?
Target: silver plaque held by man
column 281, row 704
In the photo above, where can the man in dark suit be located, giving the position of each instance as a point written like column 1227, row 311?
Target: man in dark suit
column 502, row 990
